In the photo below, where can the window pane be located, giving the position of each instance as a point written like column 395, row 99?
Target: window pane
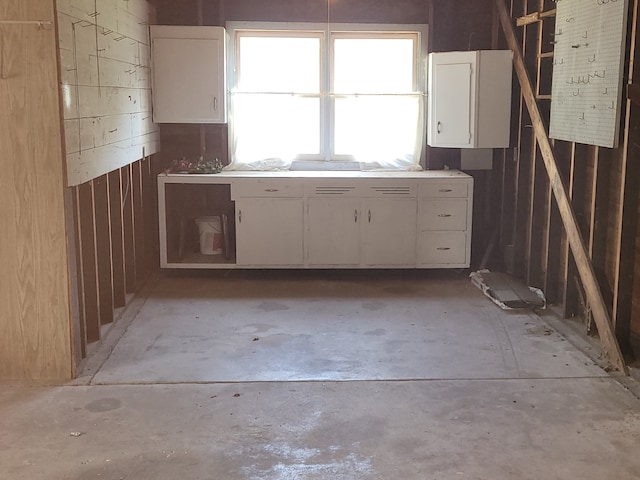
column 376, row 128
column 275, row 126
column 279, row 64
column 373, row 65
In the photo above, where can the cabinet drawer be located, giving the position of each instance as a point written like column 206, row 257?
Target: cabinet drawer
column 442, row 248
column 444, row 189
column 266, row 188
column 448, row 214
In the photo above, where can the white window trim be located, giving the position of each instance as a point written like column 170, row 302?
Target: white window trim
column 327, row 29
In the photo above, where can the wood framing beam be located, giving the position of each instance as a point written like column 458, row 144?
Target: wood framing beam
column 585, row 268
column 534, row 17
column 528, row 19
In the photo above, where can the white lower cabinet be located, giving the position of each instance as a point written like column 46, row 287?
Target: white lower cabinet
column 323, row 220
column 444, row 225
column 389, row 232
column 369, row 232
column 442, row 249
column 333, row 233
column 270, row 232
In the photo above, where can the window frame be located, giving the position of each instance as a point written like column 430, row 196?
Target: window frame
column 327, row 159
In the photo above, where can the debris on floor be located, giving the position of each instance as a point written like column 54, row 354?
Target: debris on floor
column 508, row 292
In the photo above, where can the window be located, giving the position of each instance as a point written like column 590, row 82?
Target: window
column 320, row 95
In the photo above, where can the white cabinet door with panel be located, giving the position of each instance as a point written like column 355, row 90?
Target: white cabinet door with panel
column 469, row 99
column 389, row 233
column 452, row 118
column 189, row 74
column 333, row 235
column 270, row 231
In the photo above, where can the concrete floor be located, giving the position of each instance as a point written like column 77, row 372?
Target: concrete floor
column 298, row 375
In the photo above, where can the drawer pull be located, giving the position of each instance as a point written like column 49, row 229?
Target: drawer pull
column 445, row 190
column 444, row 215
column 443, row 248
column 270, row 190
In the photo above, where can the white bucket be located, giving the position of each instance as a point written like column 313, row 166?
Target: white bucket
column 210, row 230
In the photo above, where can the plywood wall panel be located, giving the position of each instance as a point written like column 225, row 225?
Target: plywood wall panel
column 35, row 331
column 104, row 50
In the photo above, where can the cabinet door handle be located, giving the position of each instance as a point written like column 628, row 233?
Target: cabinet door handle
column 444, row 215
column 369, row 216
column 445, row 190
column 439, row 127
column 240, row 216
column 215, row 103
column 355, row 216
column 443, row 248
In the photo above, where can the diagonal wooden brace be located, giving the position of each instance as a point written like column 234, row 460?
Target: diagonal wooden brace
column 583, row 262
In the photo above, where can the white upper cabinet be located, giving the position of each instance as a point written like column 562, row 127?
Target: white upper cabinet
column 189, row 74
column 469, row 99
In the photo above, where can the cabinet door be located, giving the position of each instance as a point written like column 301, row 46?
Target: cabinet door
column 188, row 79
column 452, row 99
column 333, row 231
column 269, row 231
column 390, row 232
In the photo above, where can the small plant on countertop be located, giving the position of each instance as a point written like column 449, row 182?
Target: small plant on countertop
column 198, row 166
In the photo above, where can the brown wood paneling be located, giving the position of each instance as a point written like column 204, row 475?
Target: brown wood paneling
column 89, row 267
column 128, row 230
column 117, row 239
column 35, row 331
column 539, row 231
column 150, row 217
column 103, row 248
column 170, row 12
column 138, row 222
column 73, row 228
column 627, row 202
column 634, row 158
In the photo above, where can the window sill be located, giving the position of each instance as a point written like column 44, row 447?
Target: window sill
column 319, row 165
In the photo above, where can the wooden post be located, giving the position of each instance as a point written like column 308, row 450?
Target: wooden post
column 585, row 269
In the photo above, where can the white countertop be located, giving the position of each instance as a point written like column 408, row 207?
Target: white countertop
column 303, row 174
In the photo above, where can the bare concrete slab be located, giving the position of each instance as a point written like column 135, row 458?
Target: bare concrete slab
column 248, row 327
column 437, row 430
column 332, row 375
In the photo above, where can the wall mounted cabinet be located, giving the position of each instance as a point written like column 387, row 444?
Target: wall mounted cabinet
column 189, row 74
column 469, row 99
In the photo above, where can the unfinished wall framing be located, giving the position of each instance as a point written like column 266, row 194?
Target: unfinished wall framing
column 601, row 183
column 117, row 246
